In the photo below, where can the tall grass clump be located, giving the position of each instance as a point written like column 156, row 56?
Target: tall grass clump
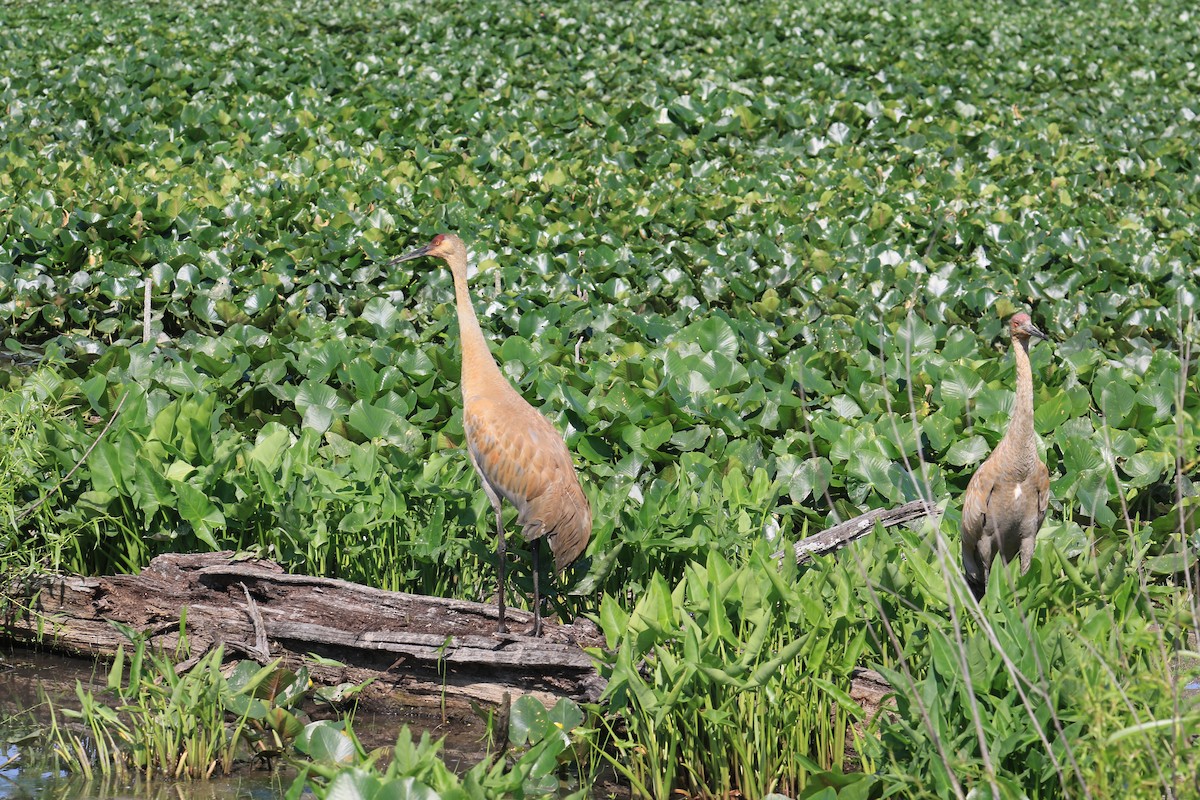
column 735, row 680
column 1066, row 682
column 156, row 722
column 29, row 475
column 163, row 724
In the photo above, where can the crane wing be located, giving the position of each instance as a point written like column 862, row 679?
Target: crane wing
column 1041, row 477
column 975, row 502
column 563, row 515
column 524, row 460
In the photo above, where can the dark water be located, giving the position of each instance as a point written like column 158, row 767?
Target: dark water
column 17, row 781
column 28, row 770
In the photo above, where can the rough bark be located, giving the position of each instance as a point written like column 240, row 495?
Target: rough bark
column 421, row 650
column 846, row 532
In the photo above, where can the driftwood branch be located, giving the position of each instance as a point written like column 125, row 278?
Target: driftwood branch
column 846, row 532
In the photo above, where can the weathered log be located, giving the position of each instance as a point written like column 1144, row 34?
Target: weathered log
column 426, row 649
column 846, row 532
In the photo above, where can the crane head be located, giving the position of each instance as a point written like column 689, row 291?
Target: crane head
column 444, row 245
column 1022, row 327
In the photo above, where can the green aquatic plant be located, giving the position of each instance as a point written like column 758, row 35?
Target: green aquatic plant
column 180, row 724
column 755, row 259
column 734, row 681
column 541, row 738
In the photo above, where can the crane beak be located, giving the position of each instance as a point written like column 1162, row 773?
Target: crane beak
column 420, row 251
column 1032, row 330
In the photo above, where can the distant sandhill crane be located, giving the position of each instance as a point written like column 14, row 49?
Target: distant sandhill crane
column 1005, row 502
column 518, row 454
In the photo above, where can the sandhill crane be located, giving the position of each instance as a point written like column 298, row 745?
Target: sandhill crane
column 518, row 454
column 1005, row 502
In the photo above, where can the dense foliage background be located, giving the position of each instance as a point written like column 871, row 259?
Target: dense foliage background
column 755, row 259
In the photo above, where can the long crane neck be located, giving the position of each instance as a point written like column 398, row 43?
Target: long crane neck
column 477, row 361
column 1020, row 426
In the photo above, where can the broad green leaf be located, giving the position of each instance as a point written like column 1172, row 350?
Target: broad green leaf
column 382, row 314
column 527, row 721
column 204, row 515
column 968, row 451
column 324, row 741
column 319, row 405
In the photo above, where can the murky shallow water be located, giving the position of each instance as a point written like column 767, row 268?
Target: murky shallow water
column 28, row 678
column 18, row 783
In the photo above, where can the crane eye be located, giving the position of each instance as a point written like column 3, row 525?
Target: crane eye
column 437, row 240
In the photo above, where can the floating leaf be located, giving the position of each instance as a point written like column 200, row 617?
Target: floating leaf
column 968, row 451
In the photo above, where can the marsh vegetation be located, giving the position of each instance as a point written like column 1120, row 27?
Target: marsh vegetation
column 754, row 259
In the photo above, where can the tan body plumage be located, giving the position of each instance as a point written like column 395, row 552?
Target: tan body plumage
column 519, row 455
column 1005, row 502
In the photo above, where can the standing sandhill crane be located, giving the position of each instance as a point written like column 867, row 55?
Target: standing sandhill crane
column 1005, row 501
column 518, row 454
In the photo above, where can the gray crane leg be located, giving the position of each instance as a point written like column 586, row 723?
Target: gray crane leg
column 537, row 598
column 500, row 551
